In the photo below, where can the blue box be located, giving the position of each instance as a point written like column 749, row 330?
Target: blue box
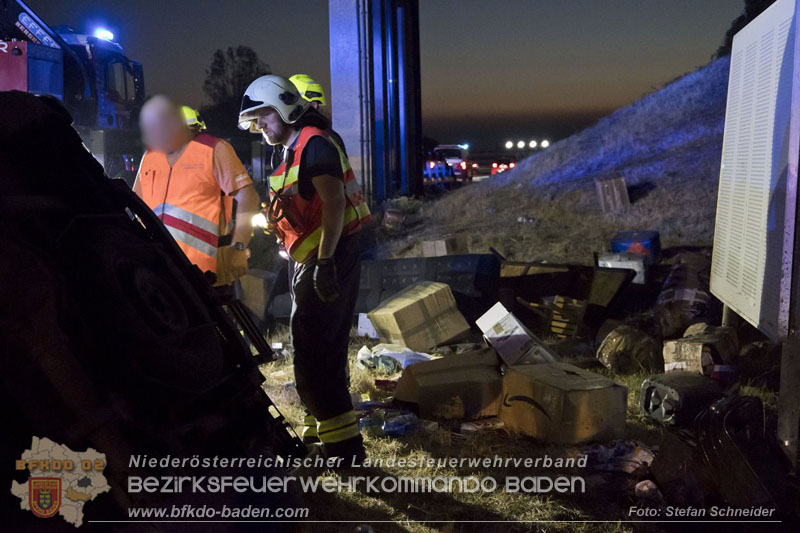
column 647, row 243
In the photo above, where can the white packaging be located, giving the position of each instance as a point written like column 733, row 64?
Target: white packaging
column 630, row 261
column 511, row 339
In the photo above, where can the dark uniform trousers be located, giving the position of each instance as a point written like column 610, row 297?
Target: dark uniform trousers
column 320, row 338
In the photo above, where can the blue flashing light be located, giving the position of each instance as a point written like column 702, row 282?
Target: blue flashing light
column 104, row 34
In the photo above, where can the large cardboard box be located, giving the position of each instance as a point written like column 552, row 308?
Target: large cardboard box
column 421, row 317
column 561, row 403
column 462, row 386
column 513, row 341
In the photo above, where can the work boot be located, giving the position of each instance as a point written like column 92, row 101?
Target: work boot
column 351, row 451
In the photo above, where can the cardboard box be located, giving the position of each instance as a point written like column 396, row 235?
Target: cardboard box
column 513, row 341
column 561, row 403
column 462, row 386
column 448, row 245
column 635, row 262
column 420, row 317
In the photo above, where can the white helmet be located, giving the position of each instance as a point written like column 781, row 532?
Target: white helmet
column 275, row 92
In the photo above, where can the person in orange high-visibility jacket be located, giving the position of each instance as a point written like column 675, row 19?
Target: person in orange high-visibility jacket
column 190, row 180
column 317, row 210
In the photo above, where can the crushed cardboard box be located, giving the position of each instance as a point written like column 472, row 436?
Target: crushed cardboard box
column 512, row 340
column 561, row 403
column 420, row 317
column 464, row 386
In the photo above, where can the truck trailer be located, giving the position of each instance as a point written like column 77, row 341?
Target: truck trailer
column 101, row 88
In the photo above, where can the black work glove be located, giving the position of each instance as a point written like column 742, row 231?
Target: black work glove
column 326, row 284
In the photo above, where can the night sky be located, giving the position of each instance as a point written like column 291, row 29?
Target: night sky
column 492, row 70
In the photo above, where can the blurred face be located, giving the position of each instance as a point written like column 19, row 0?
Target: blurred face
column 163, row 127
column 273, row 128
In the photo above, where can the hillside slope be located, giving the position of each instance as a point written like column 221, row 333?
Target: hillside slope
column 667, row 145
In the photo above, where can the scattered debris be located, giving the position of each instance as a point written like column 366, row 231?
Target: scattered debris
column 626, row 456
column 382, row 364
column 627, row 350
column 393, row 219
column 386, row 385
column 484, row 424
column 389, row 423
column 455, row 349
column 647, row 492
column 400, row 354
column 428, row 426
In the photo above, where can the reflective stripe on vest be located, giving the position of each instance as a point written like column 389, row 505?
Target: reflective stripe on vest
column 302, row 239
column 190, row 229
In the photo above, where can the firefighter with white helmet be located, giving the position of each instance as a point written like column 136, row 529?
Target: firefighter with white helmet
column 317, row 210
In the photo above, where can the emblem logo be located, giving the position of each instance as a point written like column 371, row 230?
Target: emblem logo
column 45, row 496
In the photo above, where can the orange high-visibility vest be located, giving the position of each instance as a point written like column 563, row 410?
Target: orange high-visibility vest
column 188, row 199
column 301, row 225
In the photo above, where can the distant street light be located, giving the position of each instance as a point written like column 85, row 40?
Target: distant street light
column 521, row 144
column 509, row 145
column 532, row 144
column 545, row 143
